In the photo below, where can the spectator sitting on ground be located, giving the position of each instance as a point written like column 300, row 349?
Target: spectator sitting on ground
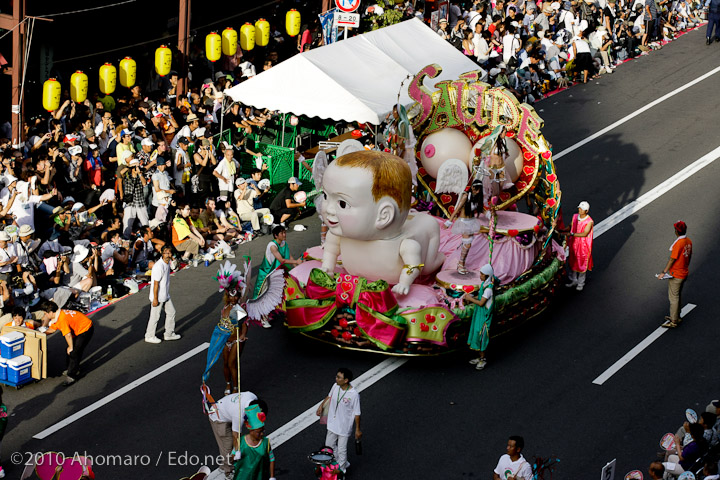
column 656, row 471
column 185, row 236
column 73, row 271
column 146, row 249
column 244, row 201
column 710, row 470
column 114, row 226
column 19, row 318
column 685, row 456
column 210, row 238
column 115, row 255
column 211, row 220
column 284, row 207
column 260, row 193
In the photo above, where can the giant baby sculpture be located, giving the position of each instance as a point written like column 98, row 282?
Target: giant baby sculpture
column 366, row 208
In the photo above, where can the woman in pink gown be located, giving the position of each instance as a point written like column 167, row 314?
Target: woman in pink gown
column 580, row 244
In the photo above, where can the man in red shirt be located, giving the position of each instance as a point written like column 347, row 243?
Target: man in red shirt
column 77, row 330
column 677, row 269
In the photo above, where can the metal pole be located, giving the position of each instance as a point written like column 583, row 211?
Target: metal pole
column 345, row 33
column 183, row 44
column 18, row 51
column 283, row 130
column 222, row 116
column 237, row 354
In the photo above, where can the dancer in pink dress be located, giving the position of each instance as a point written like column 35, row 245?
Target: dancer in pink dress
column 580, row 244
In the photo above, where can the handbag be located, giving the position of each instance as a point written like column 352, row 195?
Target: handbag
column 325, row 411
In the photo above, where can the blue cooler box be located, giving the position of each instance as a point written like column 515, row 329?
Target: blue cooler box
column 12, row 345
column 19, row 369
column 3, row 369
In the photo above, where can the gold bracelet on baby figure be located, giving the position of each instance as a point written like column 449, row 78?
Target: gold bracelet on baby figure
column 411, row 268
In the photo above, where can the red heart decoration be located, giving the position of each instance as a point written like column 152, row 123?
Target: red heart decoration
column 424, row 327
column 442, row 316
column 468, row 288
column 355, row 280
column 551, row 178
column 413, row 320
column 546, row 155
column 347, row 335
column 422, row 171
column 429, row 318
column 451, row 209
column 432, row 185
column 550, row 202
column 435, row 328
column 334, row 332
column 445, row 198
column 510, row 134
column 343, row 323
column 513, row 232
column 504, row 196
column 521, row 185
column 346, row 286
column 290, row 291
column 528, row 155
column 347, row 278
column 344, row 296
column 529, row 170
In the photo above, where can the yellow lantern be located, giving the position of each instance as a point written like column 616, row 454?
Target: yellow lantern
column 229, row 41
column 163, row 60
column 213, row 46
column 128, row 71
column 292, row 22
column 51, row 95
column 108, row 78
column 262, row 32
column 78, row 86
column 247, row 37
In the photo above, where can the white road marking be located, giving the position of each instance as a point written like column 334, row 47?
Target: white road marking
column 637, row 112
column 655, row 193
column 638, row 348
column 308, row 417
column 118, row 393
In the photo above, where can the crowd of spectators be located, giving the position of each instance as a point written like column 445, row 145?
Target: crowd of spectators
column 535, row 48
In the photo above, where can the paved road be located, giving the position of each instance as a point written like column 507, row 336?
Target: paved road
column 438, row 418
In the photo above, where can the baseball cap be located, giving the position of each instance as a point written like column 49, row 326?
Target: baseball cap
column 125, row 131
column 76, row 150
column 133, row 162
column 294, row 180
column 239, row 181
column 183, row 140
column 584, row 205
column 147, row 141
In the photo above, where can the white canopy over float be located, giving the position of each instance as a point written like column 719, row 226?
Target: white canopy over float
column 356, row 80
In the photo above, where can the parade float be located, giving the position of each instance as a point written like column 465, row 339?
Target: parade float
column 396, row 262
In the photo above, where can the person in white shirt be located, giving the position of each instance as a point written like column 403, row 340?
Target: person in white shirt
column 512, row 465
column 226, row 425
column 193, row 122
column 160, row 298
column 8, row 255
column 511, row 44
column 343, row 403
column 244, row 199
column 225, row 172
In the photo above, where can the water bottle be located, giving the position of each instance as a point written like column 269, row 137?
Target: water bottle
column 109, row 294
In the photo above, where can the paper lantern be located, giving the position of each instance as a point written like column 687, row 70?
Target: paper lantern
column 51, row 95
column 262, row 32
column 108, row 78
column 213, row 47
column 78, row 87
column 128, row 72
column 163, row 60
column 229, row 41
column 247, row 37
column 292, row 22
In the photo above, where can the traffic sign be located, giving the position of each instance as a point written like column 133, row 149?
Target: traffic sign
column 351, row 20
column 347, row 6
column 608, row 471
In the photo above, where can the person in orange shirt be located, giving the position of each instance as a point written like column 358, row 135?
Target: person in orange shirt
column 77, row 330
column 677, row 269
column 18, row 320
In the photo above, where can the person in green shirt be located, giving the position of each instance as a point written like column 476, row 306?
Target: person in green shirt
column 257, row 461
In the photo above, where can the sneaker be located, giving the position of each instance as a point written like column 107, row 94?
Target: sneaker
column 172, row 336
column 570, row 284
column 230, row 255
column 481, row 364
column 474, row 361
column 579, row 288
column 2, row 473
column 68, row 381
column 265, row 323
column 152, row 340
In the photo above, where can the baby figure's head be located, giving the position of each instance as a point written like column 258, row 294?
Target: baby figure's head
column 366, row 195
